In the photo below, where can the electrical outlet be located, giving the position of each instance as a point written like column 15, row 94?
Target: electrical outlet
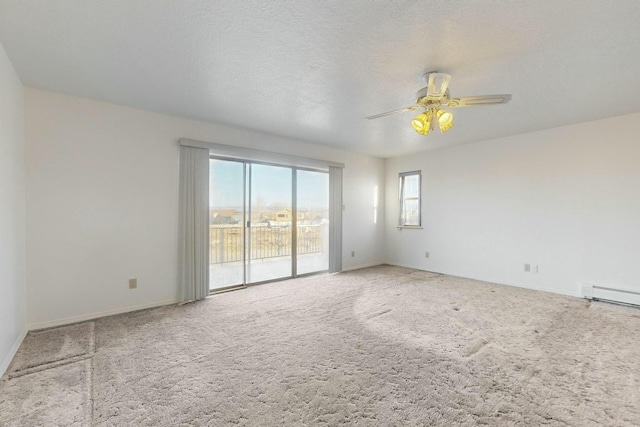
column 534, row 268
column 133, row 283
column 353, row 253
column 426, row 254
column 527, row 267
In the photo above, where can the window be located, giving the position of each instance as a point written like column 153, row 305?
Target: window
column 410, row 199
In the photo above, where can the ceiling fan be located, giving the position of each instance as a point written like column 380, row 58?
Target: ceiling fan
column 433, row 97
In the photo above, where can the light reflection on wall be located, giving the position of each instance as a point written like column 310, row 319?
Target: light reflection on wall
column 375, row 204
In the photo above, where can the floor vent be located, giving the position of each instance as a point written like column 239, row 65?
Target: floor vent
column 607, row 293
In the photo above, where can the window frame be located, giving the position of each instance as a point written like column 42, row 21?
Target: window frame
column 402, row 200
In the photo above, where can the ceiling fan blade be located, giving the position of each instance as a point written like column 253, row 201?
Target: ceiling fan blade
column 437, row 85
column 470, row 101
column 388, row 113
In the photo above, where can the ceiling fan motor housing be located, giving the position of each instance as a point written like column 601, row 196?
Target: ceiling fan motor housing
column 424, row 100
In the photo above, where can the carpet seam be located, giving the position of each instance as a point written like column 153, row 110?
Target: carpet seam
column 50, row 365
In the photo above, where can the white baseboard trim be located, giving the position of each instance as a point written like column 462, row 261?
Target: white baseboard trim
column 91, row 316
column 358, row 267
column 12, row 352
column 526, row 286
column 492, row 280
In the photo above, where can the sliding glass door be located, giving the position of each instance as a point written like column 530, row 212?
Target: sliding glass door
column 270, row 209
column 226, row 223
column 312, row 221
column 267, row 222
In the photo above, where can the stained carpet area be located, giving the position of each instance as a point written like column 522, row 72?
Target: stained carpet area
column 47, row 348
column 48, row 383
column 383, row 346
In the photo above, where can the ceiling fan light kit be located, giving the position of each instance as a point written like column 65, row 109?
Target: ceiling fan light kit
column 436, row 95
column 426, row 121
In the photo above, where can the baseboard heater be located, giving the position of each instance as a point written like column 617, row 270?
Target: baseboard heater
column 611, row 294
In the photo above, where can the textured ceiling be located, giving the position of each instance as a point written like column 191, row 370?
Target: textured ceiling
column 311, row 70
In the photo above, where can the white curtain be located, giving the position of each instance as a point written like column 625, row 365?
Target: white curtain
column 335, row 219
column 193, row 234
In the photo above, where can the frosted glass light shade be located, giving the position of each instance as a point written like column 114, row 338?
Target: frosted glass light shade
column 445, row 120
column 422, row 123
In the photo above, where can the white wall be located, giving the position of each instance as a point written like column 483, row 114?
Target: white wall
column 566, row 199
column 103, row 201
column 12, row 210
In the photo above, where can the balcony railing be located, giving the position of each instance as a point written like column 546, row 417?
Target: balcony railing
column 226, row 242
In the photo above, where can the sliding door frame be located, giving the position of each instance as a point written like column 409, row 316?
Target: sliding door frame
column 246, row 211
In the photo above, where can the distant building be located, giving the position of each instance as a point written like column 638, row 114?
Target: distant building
column 285, row 215
column 224, row 216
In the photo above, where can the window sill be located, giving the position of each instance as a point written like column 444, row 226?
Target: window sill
column 411, row 227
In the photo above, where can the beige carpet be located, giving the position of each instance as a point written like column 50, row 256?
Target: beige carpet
column 384, row 346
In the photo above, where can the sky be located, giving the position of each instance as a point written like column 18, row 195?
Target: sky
column 271, row 185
